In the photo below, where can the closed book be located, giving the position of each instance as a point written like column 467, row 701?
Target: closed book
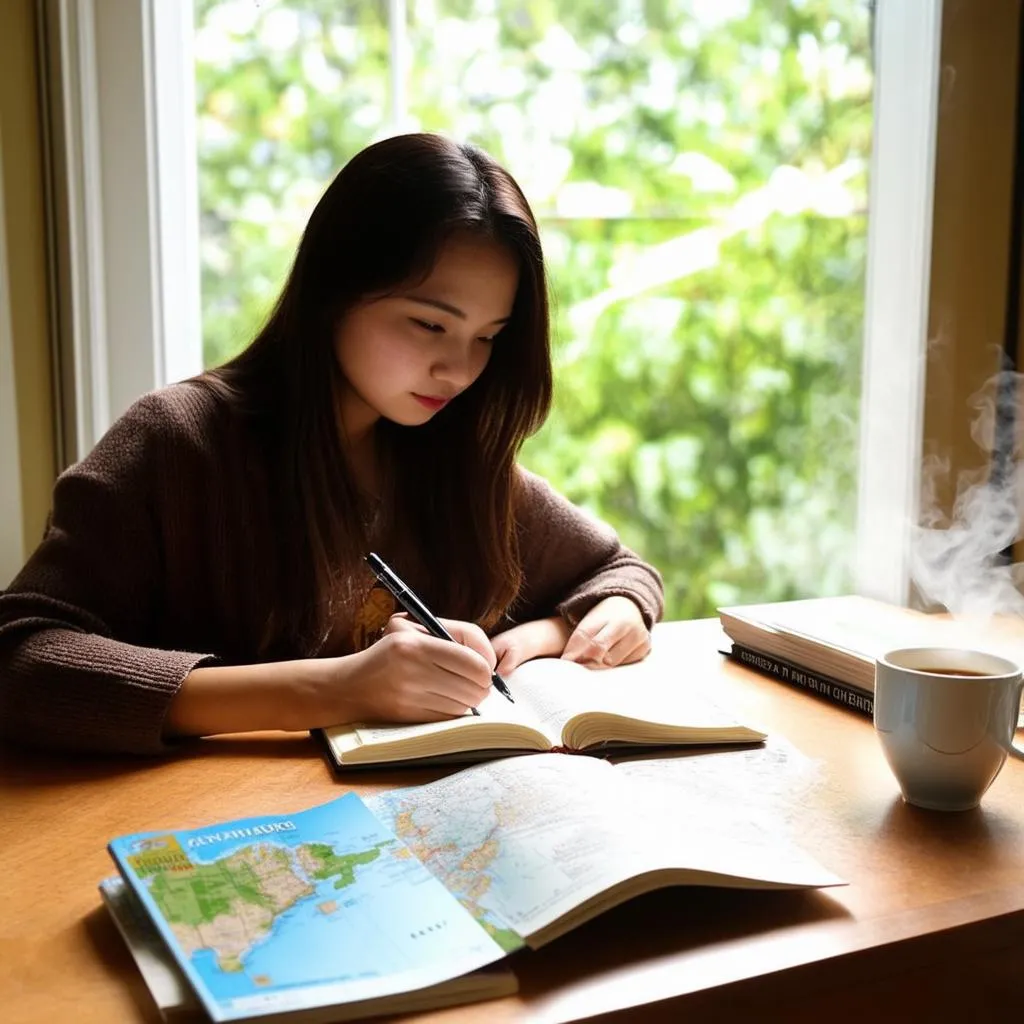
column 840, row 638
column 835, row 637
column 847, row 695
column 171, row 992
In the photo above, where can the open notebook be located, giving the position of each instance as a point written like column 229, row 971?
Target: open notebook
column 559, row 706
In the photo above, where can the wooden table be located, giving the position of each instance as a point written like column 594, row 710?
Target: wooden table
column 932, row 923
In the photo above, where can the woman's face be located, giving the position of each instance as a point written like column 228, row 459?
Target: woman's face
column 405, row 355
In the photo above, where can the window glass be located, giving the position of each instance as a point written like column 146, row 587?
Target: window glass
column 699, row 169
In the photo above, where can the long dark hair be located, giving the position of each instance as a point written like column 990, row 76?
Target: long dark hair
column 379, row 224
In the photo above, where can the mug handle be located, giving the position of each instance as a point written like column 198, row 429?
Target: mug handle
column 1011, row 748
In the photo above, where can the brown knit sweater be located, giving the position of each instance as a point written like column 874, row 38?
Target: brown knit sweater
column 151, row 565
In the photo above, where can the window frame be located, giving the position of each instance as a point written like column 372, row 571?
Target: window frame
column 12, row 541
column 908, row 40
column 118, row 78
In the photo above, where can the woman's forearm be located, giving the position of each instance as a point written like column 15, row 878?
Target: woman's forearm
column 246, row 698
column 536, row 639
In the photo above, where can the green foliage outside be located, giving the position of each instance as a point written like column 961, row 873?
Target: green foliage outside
column 699, row 168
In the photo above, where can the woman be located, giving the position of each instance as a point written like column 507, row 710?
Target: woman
column 203, row 569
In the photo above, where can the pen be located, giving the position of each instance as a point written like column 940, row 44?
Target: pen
column 420, row 612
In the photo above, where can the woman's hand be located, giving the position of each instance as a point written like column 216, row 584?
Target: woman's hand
column 407, row 676
column 611, row 633
column 410, row 676
column 469, row 634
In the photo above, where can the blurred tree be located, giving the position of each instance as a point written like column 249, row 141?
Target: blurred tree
column 699, row 171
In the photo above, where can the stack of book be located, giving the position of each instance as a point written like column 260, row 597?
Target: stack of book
column 828, row 645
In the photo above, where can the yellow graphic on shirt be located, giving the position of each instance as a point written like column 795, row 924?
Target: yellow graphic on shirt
column 371, row 619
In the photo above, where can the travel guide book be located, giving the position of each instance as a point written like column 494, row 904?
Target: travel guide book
column 409, row 900
column 559, row 705
column 320, row 915
column 828, row 645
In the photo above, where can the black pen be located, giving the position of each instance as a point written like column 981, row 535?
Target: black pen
column 421, row 613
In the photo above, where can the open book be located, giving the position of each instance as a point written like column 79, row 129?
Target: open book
column 535, row 846
column 414, row 897
column 558, row 705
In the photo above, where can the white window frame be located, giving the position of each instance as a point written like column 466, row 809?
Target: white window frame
column 119, row 87
column 908, row 37
column 122, row 82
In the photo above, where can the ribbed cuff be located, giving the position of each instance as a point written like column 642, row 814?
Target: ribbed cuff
column 82, row 691
column 574, row 607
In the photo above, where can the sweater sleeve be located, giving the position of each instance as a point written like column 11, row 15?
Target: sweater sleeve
column 571, row 560
column 78, row 668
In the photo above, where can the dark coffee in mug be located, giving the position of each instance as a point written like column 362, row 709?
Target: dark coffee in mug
column 950, row 671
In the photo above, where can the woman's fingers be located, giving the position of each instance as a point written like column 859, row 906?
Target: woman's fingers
column 444, row 706
column 510, row 656
column 467, row 634
column 470, row 635
column 586, row 646
column 628, row 649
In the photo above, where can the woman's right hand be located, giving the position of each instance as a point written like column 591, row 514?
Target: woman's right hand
column 409, row 676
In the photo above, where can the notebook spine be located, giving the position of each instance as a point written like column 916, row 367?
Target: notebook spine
column 844, row 694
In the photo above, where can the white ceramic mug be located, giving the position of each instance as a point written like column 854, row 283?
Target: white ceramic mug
column 946, row 719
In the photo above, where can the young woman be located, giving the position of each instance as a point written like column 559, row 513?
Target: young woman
column 203, row 569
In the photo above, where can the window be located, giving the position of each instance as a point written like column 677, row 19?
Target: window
column 700, row 169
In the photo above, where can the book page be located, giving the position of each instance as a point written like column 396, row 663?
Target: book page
column 493, row 708
column 557, row 690
column 724, row 807
column 553, row 688
column 524, row 841
column 166, row 982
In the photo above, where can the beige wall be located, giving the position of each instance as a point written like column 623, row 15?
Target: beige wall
column 21, row 158
column 971, row 227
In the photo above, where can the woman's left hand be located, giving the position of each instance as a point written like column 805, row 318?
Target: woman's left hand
column 611, row 633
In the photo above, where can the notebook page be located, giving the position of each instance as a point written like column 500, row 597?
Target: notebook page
column 493, row 708
column 557, row 690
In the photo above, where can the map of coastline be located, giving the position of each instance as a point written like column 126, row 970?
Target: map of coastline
column 231, row 904
column 300, row 910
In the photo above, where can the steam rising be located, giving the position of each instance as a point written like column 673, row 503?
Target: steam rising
column 959, row 561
